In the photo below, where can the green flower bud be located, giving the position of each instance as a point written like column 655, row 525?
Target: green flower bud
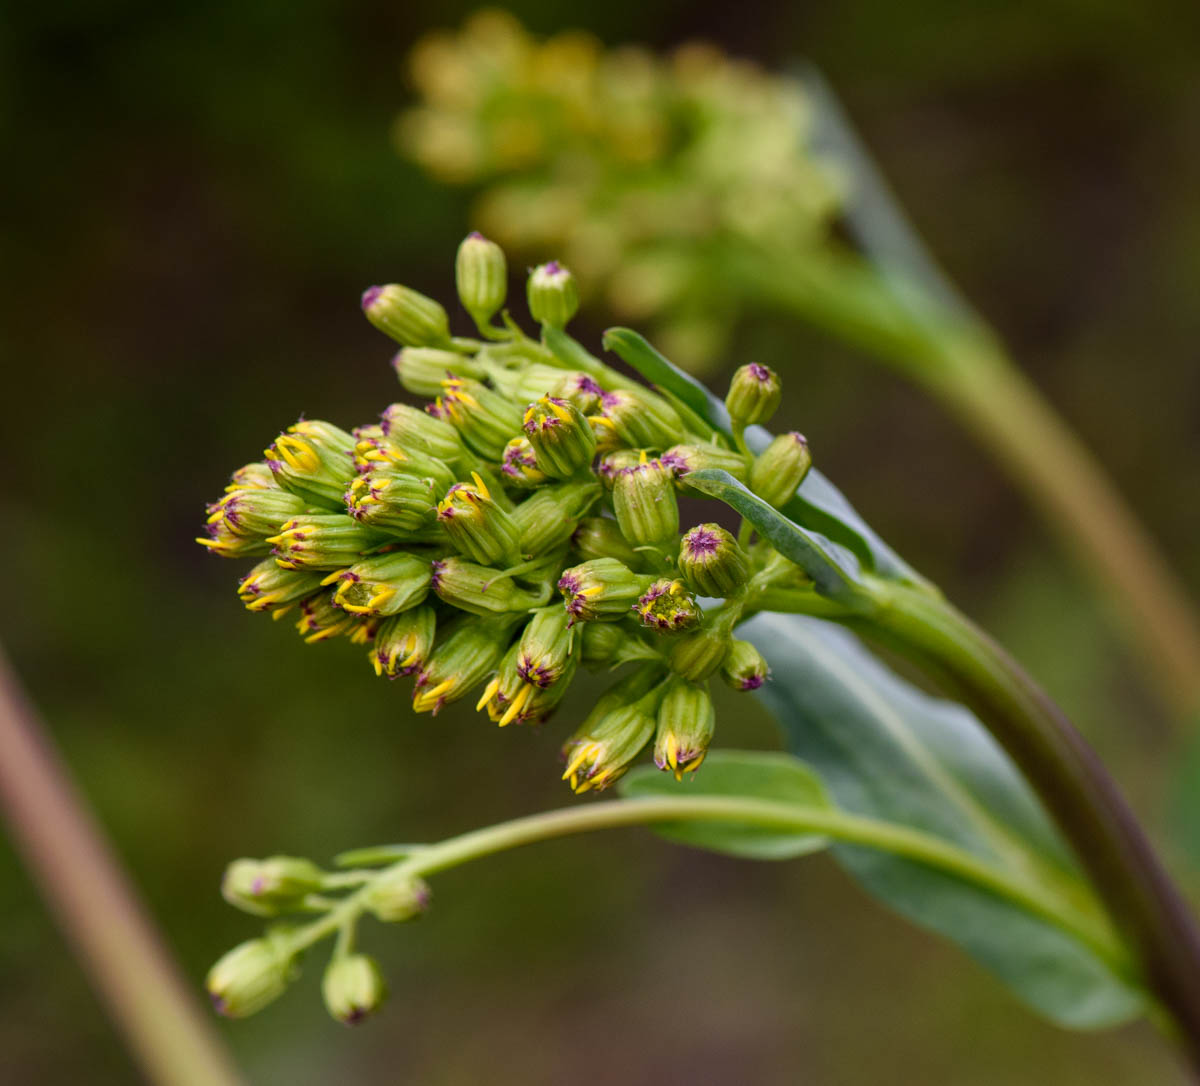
column 600, row 537
column 481, row 275
column 384, row 584
column 482, row 590
column 614, row 732
column 743, row 667
column 414, row 430
column 546, row 647
column 485, row 419
column 407, row 316
column 519, row 464
column 257, row 511
column 549, row 516
column 477, row 526
column 697, row 654
column 780, row 468
column 421, row 370
column 321, row 620
column 645, row 504
column 640, row 418
column 512, row 698
column 685, row 725
column 271, row 886
column 353, row 988
column 561, row 438
column 462, row 661
column 667, row 606
column 599, row 643
column 602, row 589
column 251, row 975
column 397, row 896
column 527, row 382
column 323, row 541
column 682, row 459
column 397, row 496
column 613, row 463
column 711, row 561
column 268, row 588
column 251, row 477
column 403, row 642
column 579, row 390
column 225, row 543
column 553, row 295
column 313, row 459
column 754, row 395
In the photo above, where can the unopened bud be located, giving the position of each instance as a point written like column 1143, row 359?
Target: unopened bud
column 519, row 464
column 602, row 589
column 477, row 526
column 639, row 418
column 754, row 394
column 461, row 662
column 744, row 667
column 482, row 590
column 683, row 459
column 323, row 541
column 418, row 431
column 484, row 418
column 550, row 515
column 697, row 654
column 579, row 390
column 322, row 620
column 611, row 464
column 403, row 642
column 600, row 537
column 546, row 647
column 711, row 561
column 780, row 468
column 257, row 512
column 614, row 732
column 271, row 886
column 267, row 587
column 250, row 976
column 397, row 896
column 645, row 504
column 393, row 496
column 553, row 295
column 407, row 316
column 481, row 275
column 421, row 370
column 353, row 988
column 667, row 606
column 384, row 584
column 513, row 698
column 561, row 437
column 252, row 476
column 313, row 459
column 685, row 725
column 225, row 543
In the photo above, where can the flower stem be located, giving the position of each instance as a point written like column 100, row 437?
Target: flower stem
column 138, row 985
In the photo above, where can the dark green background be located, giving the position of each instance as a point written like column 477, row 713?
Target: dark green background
column 196, row 195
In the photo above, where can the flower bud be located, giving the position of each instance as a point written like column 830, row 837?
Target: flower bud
column 511, row 698
column 482, row 590
column 392, row 497
column 561, row 438
column 645, row 504
column 602, row 589
column 599, row 643
column 397, row 896
column 384, row 584
column 313, row 459
column 477, row 526
column 640, row 418
column 743, row 667
column 711, row 561
column 251, row 477
column 525, row 382
column 407, row 316
column 323, row 541
column 685, row 725
column 224, row 543
column 484, row 418
column 611, row 464
column 414, row 430
column 462, row 661
column 271, row 886
column 421, row 370
column 683, row 459
column 403, row 642
column 754, row 395
column 549, row 516
column 353, row 988
column 256, row 511
column 579, row 390
column 600, row 537
column 250, row 976
column 322, row 620
column 267, row 587
column 553, row 295
column 546, row 646
column 614, row 732
column 697, row 654
column 780, row 468
column 481, row 275
column 667, row 606
column 519, row 464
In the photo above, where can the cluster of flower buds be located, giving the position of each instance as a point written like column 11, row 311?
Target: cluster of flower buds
column 646, row 173
column 526, row 522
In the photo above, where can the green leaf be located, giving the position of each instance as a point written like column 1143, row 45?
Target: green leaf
column 834, row 570
column 889, row 751
column 761, row 774
column 818, row 504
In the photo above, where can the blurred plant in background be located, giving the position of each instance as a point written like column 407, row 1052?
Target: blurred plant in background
column 696, row 188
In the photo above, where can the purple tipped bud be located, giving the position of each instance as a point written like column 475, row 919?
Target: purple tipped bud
column 754, row 394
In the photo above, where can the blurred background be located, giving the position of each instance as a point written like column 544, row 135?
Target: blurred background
column 198, row 193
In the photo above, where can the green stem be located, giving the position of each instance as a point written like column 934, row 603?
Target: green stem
column 82, row 882
column 1088, row 926
column 1070, row 781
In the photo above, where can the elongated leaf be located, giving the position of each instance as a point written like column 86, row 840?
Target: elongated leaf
column 818, row 504
column 761, row 774
column 887, row 750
